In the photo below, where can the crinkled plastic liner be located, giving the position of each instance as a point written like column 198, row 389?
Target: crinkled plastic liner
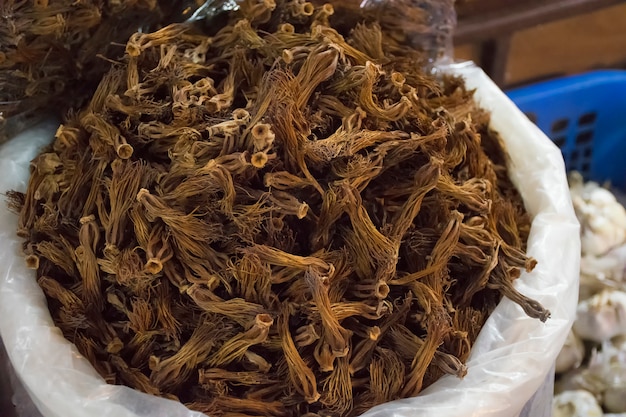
column 210, row 9
column 508, row 364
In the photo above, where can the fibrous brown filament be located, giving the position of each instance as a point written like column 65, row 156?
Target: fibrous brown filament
column 331, row 210
column 277, row 257
column 158, row 250
column 338, row 388
column 234, row 349
column 474, row 193
column 175, row 369
column 336, row 336
column 406, row 344
column 238, row 378
column 107, row 133
column 318, row 67
column 42, row 168
column 186, row 229
column 133, row 376
column 278, row 218
column 376, row 253
column 87, row 263
column 499, row 280
column 363, row 351
column 59, row 252
column 74, row 308
column 165, row 316
column 236, row 309
column 300, row 374
column 366, row 98
column 284, row 181
column 126, row 180
column 386, row 376
column 239, row 407
column 142, row 41
column 436, row 331
column 254, row 279
column 425, row 181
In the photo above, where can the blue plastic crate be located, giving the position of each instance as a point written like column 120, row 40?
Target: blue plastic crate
column 585, row 116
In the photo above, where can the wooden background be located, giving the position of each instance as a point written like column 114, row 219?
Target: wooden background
column 592, row 39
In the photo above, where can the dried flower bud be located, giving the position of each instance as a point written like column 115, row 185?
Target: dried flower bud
column 67, row 137
column 324, row 13
column 397, row 79
column 241, row 115
column 115, row 346
column 286, row 28
column 32, row 262
column 307, row 9
column 263, row 136
column 287, row 56
column 378, row 289
column 259, row 159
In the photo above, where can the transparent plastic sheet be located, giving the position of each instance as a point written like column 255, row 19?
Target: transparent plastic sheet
column 427, row 25
column 510, row 361
column 540, row 404
column 210, row 9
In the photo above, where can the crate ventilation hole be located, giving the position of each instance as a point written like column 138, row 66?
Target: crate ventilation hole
column 576, row 144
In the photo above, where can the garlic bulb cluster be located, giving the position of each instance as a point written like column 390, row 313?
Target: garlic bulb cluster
column 605, row 271
column 571, row 355
column 591, row 368
column 576, row 404
column 602, row 218
column 601, row 317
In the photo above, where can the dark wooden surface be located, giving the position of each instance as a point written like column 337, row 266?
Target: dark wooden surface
column 467, row 8
column 491, row 24
column 12, row 392
column 486, row 21
column 6, row 406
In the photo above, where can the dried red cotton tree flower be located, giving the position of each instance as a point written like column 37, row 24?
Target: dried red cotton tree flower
column 279, row 219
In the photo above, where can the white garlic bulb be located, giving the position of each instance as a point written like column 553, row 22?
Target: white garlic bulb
column 601, row 313
column 608, row 267
column 614, row 398
column 571, row 355
column 610, row 363
column 581, row 379
column 575, row 404
column 602, row 272
column 619, row 343
column 602, row 218
column 602, row 316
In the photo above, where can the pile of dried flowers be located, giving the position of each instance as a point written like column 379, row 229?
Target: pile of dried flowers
column 279, row 219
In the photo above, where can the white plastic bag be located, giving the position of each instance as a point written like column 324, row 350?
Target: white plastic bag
column 509, row 361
